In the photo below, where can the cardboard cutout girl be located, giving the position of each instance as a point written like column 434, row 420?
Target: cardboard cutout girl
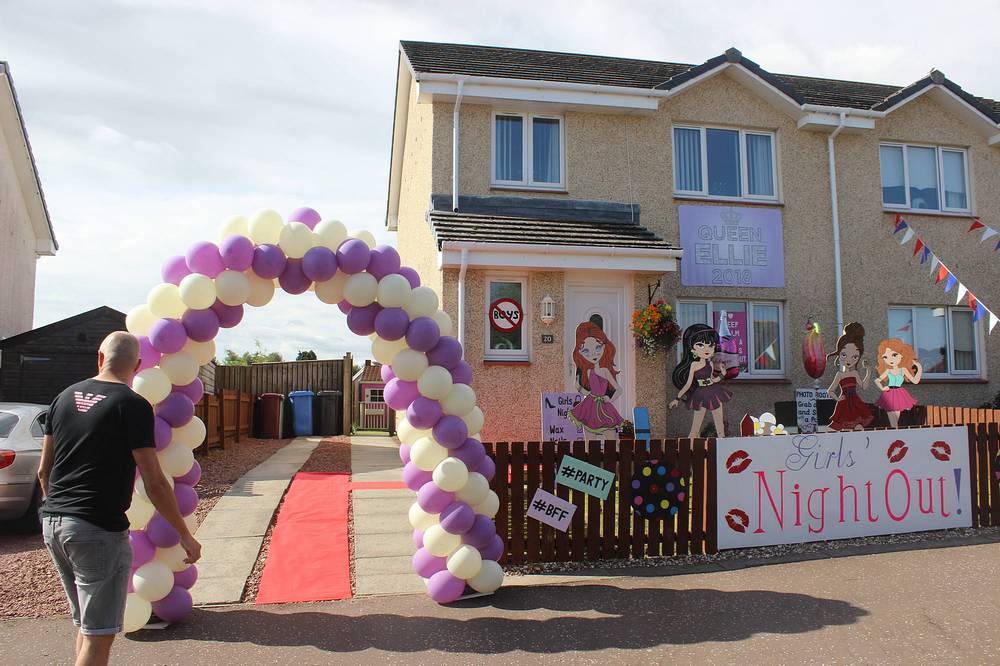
column 851, row 412
column 895, row 360
column 695, row 377
column 596, row 376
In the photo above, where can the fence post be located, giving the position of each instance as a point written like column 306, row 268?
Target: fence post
column 348, row 390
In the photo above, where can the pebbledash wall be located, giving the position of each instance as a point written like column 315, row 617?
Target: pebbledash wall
column 877, row 271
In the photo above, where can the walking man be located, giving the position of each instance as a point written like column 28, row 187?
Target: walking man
column 97, row 432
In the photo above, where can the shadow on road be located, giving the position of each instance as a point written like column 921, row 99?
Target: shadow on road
column 591, row 617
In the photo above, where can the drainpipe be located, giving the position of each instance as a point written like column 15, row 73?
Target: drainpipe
column 461, row 296
column 454, row 146
column 836, row 223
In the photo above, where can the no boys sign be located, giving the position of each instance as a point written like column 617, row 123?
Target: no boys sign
column 506, row 315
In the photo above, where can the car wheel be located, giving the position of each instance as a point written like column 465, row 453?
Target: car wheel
column 30, row 522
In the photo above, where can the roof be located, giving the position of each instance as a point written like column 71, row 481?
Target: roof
column 103, row 311
column 371, row 373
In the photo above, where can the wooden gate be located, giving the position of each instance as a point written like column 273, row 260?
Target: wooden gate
column 374, row 416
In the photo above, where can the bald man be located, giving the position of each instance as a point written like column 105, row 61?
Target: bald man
column 97, row 433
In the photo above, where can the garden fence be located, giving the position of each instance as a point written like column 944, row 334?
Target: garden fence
column 228, row 418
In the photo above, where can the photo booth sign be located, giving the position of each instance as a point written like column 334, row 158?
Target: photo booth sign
column 817, row 487
column 731, row 246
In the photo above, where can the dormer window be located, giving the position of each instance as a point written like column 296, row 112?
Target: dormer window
column 722, row 163
column 528, row 151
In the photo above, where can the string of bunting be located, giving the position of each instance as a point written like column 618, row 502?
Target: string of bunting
column 941, row 273
column 988, row 232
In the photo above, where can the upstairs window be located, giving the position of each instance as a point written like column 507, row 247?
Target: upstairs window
column 946, row 339
column 528, row 151
column 724, row 163
column 924, row 178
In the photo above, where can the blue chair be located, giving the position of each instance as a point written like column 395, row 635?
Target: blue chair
column 640, row 421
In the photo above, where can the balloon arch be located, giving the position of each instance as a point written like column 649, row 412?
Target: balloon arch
column 445, row 463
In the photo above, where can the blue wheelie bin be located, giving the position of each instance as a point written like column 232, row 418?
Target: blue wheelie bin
column 302, row 412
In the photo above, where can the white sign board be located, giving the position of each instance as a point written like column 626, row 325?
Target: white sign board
column 805, row 407
column 556, row 425
column 816, row 487
column 551, row 510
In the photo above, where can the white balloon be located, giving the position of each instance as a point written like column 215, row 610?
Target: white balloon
column 409, row 364
column 197, row 291
column 459, row 401
column 475, row 491
column 232, row 287
column 451, row 474
column 332, row 291
column 465, row 562
column 140, row 512
column 181, row 368
column 176, row 459
column 330, row 233
column 423, row 302
column 443, row 320
column 408, row 434
column 475, row 420
column 427, row 454
column 394, row 291
column 489, row 578
column 361, row 289
column 152, row 384
column 142, row 496
column 265, row 227
column 201, row 352
column 434, row 383
column 440, row 543
column 296, row 239
column 137, row 612
column 420, row 519
column 261, row 290
column 153, row 580
column 489, row 506
column 385, row 351
column 139, row 320
column 164, row 301
column 173, row 557
column 234, row 226
column 365, row 236
column 191, row 434
column 191, row 520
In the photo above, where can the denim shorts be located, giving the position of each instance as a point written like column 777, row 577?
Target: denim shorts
column 94, row 565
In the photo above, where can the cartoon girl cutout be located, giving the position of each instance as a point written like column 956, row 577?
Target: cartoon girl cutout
column 851, row 412
column 896, row 359
column 596, row 376
column 696, row 378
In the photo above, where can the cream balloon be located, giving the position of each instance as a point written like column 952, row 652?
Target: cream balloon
column 474, row 420
column 201, row 352
column 153, row 580
column 261, row 290
column 191, row 434
column 140, row 489
column 296, row 239
column 475, row 490
column 265, row 227
column 420, row 519
column 409, row 364
column 461, row 399
column 330, row 233
column 191, row 520
column 423, row 302
column 139, row 320
column 234, row 226
column 489, row 506
column 140, row 512
column 173, row 557
column 394, row 291
column 181, row 368
column 385, row 351
column 489, row 578
column 408, row 434
column 361, row 289
column 443, row 320
column 152, row 384
column 176, row 459
column 465, row 562
column 232, row 287
column 440, row 543
column 365, row 236
column 450, row 474
column 427, row 454
column 332, row 291
column 197, row 291
column 137, row 612
column 434, row 383
column 164, row 301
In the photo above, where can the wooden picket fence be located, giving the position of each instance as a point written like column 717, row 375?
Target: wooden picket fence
column 228, row 418
column 960, row 415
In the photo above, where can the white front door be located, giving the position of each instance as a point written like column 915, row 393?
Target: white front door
column 597, row 309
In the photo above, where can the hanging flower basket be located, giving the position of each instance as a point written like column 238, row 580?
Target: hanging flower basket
column 654, row 328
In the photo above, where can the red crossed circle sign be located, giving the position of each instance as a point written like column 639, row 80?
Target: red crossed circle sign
column 506, row 315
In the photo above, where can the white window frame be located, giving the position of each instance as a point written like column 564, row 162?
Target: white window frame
column 523, row 354
column 527, row 152
column 751, row 372
column 744, row 165
column 370, row 389
column 938, row 155
column 977, row 331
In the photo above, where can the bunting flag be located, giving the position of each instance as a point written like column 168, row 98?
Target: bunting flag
column 942, row 274
column 925, row 255
column 977, row 225
column 919, row 245
column 993, row 321
column 950, row 283
column 906, row 237
column 935, row 263
column 989, row 233
column 961, row 293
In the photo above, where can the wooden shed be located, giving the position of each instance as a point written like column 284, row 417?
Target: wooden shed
column 37, row 364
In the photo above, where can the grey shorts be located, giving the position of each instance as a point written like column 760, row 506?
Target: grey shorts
column 93, row 564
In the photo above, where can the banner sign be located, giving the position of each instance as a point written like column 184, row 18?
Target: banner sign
column 551, row 510
column 816, row 487
column 585, row 477
column 805, row 407
column 731, row 246
column 556, row 425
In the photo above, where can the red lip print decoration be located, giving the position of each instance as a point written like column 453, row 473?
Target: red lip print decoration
column 941, row 450
column 897, row 451
column 738, row 520
column 738, row 461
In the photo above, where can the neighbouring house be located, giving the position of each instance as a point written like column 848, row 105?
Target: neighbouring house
column 25, row 228
column 545, row 196
column 370, row 412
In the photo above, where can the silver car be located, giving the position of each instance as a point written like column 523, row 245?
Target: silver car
column 20, row 451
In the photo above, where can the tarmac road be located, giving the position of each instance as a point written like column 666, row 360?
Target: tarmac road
column 912, row 607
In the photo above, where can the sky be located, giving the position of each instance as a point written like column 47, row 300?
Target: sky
column 153, row 121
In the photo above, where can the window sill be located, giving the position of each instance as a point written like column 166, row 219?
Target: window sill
column 954, row 380
column 759, row 380
column 502, row 362
column 528, row 188
column 931, row 213
column 725, row 200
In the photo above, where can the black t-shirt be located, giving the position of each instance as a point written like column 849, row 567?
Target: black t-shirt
column 95, row 425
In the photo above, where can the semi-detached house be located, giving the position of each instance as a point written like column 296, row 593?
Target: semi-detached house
column 536, row 191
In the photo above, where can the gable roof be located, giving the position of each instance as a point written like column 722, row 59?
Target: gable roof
column 69, row 322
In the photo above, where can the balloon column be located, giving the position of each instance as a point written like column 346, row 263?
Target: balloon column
column 207, row 289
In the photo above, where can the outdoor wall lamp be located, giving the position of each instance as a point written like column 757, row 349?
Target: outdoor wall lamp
column 548, row 310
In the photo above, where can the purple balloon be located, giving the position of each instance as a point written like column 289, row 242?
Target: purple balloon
column 148, row 355
column 186, row 578
column 471, row 453
column 391, row 323
column 426, row 565
column 268, row 261
column 418, row 539
column 411, row 275
column 361, row 321
column 345, row 307
column 462, row 373
column 386, row 372
column 432, row 499
column 175, row 606
column 414, row 477
column 384, row 260
column 161, row 533
column 174, row 269
column 423, row 413
column 353, row 256
column 195, row 390
column 306, row 216
column 447, row 352
column 445, row 588
column 176, row 409
column 191, row 477
column 143, row 549
column 229, row 315
column 451, row 432
column 398, row 394
column 292, row 279
column 168, row 336
column 161, row 433
column 423, row 334
column 404, row 453
column 237, row 252
column 319, row 264
column 495, row 550
column 201, row 325
column 187, row 498
column 487, row 468
column 457, row 518
column 204, row 257
column 481, row 533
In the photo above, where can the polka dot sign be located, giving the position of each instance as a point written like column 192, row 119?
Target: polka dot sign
column 658, row 490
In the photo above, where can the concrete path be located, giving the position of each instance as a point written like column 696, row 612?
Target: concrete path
column 233, row 531
column 383, row 544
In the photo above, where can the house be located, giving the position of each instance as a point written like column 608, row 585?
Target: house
column 25, row 228
column 545, row 196
column 368, row 383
